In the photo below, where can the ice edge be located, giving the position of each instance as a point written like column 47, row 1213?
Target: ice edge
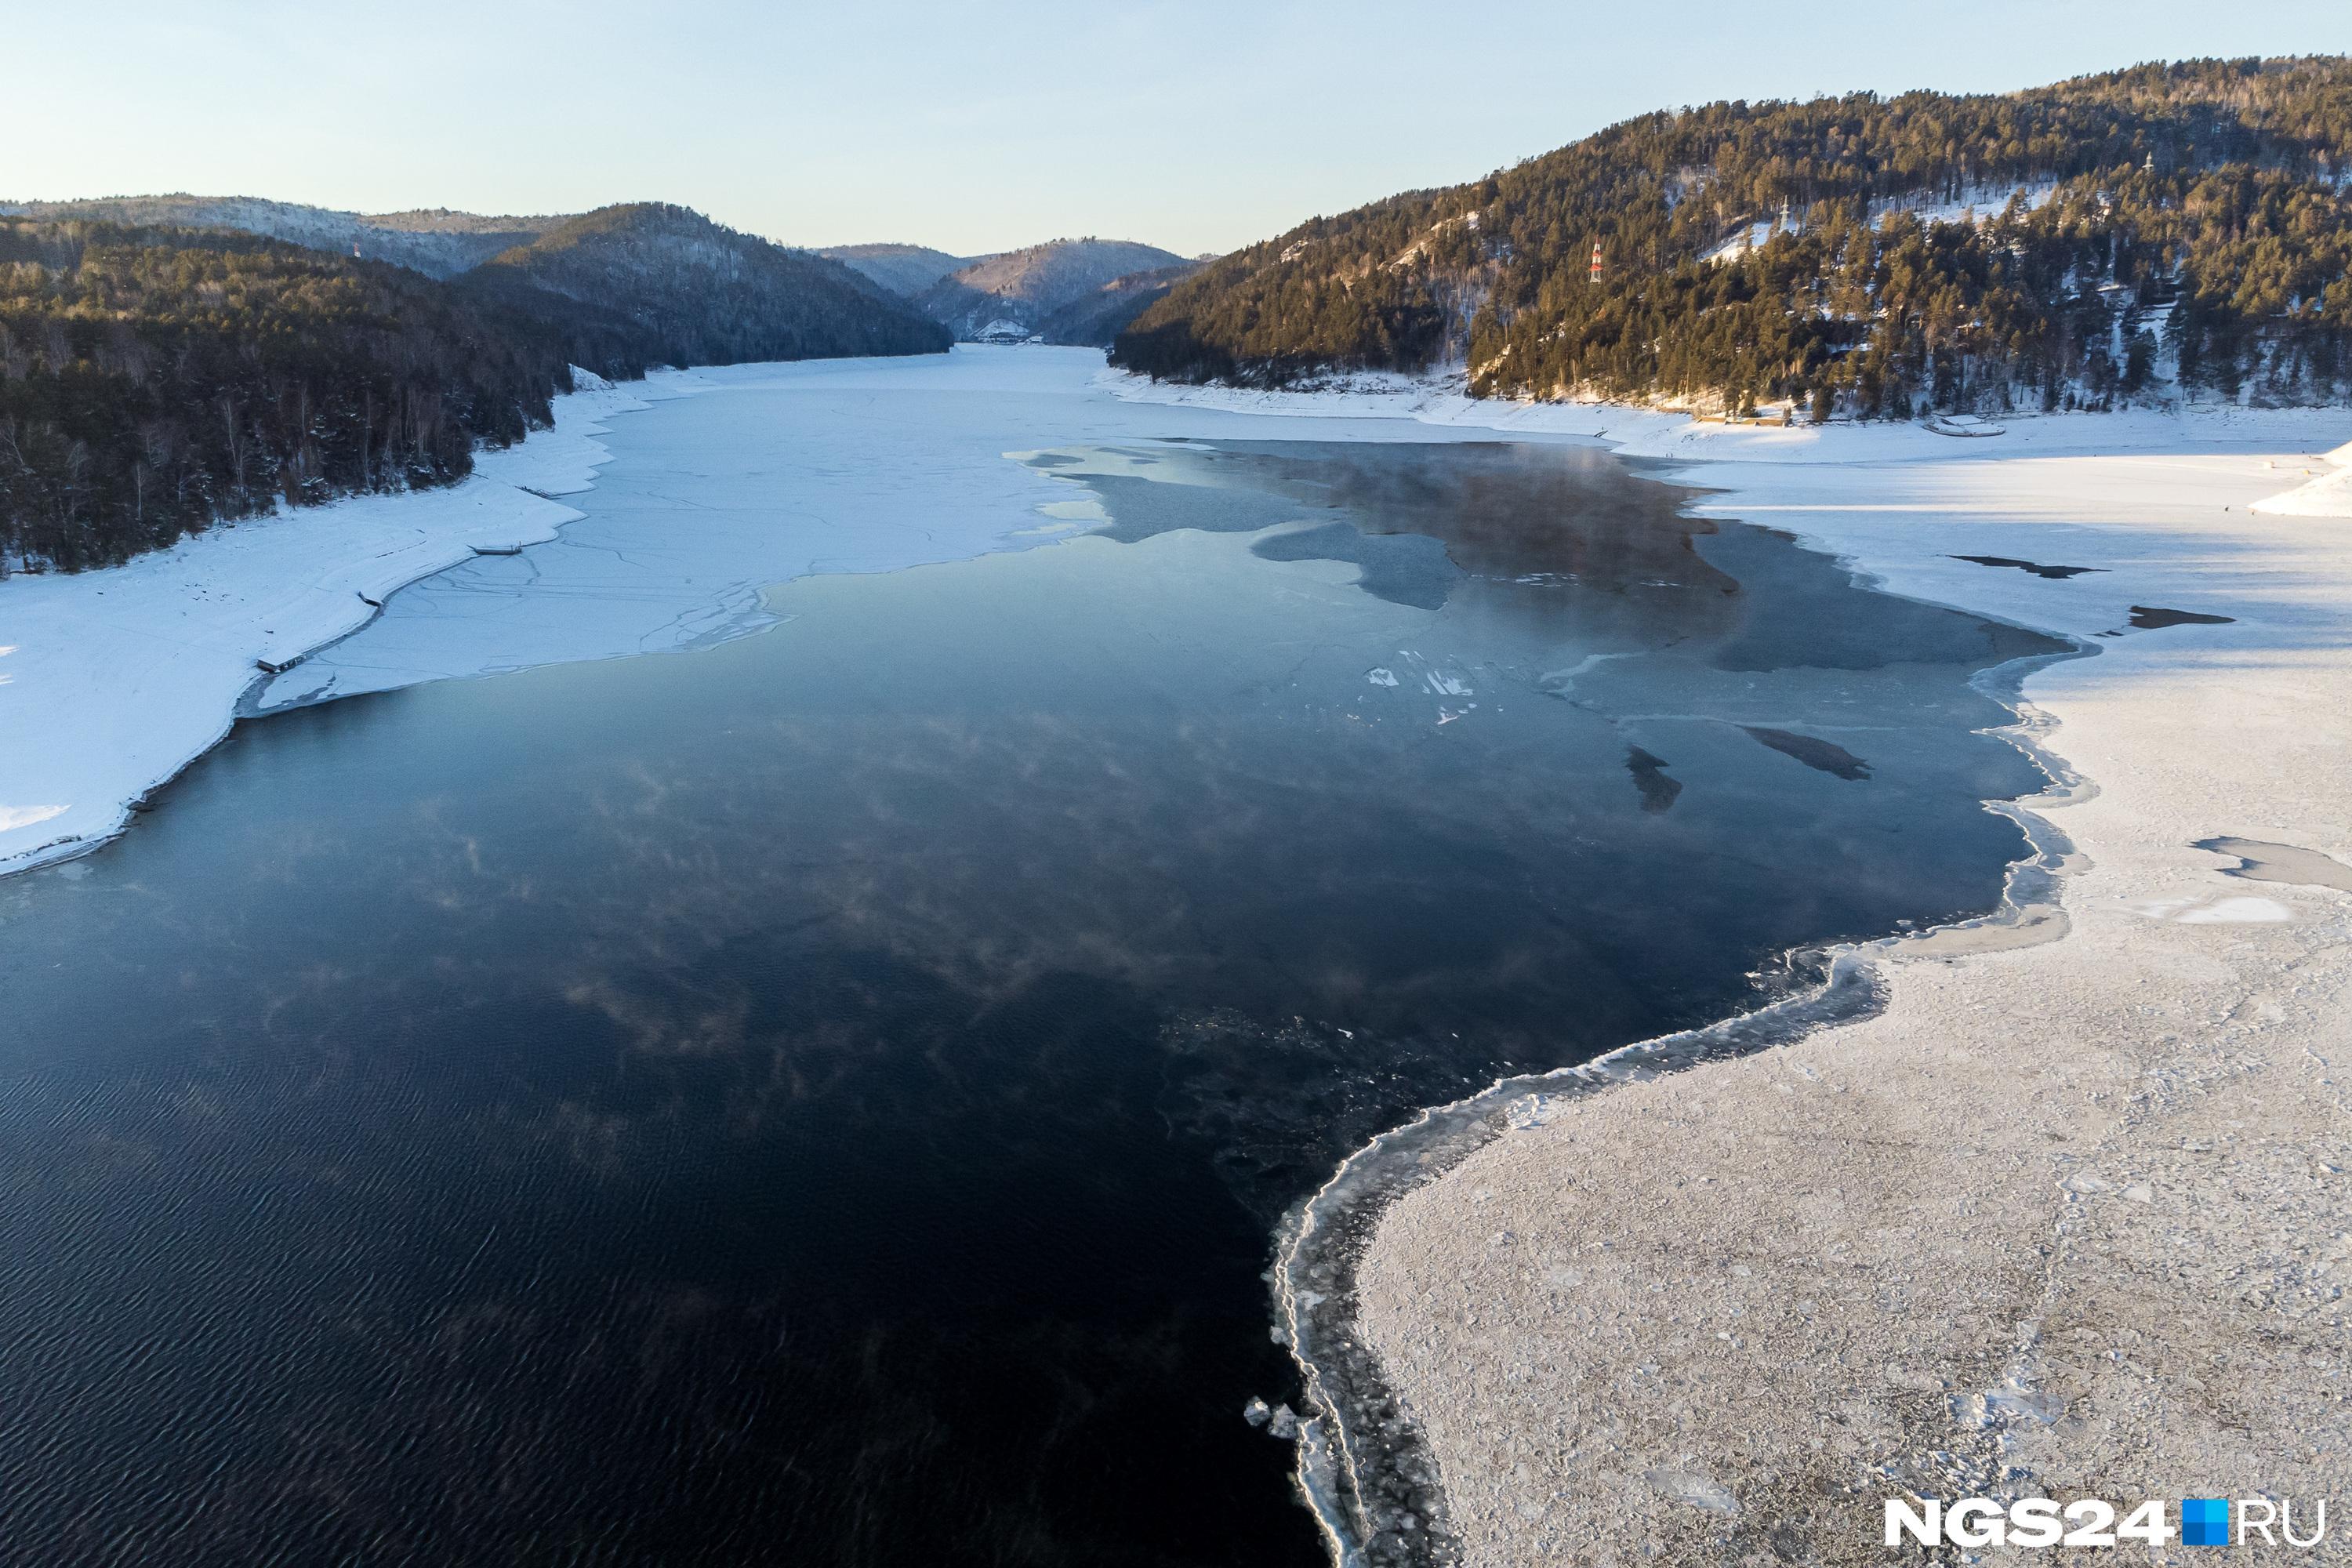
column 1364, row 1470
column 272, row 660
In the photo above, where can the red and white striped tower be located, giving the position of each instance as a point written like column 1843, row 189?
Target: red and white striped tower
column 1596, row 261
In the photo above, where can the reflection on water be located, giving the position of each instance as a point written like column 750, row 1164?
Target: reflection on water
column 823, row 1098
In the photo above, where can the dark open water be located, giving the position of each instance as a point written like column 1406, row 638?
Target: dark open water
column 824, row 1099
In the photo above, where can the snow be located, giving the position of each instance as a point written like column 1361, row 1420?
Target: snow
column 2327, row 494
column 1962, row 424
column 1741, row 241
column 117, row 678
column 1639, row 432
column 1977, row 205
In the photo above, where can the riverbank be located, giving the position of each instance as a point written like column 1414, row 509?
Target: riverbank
column 2066, row 1219
column 116, row 680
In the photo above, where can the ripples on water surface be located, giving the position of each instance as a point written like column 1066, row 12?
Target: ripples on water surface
column 825, row 1098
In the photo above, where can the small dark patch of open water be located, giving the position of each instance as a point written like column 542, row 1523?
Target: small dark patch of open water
column 826, row 1098
column 2152, row 618
column 2055, row 574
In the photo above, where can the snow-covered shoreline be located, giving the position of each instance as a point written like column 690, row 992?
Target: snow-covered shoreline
column 1667, row 436
column 112, row 681
column 1720, row 1311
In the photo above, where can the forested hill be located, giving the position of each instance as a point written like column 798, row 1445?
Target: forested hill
column 668, row 285
column 155, row 381
column 2155, row 232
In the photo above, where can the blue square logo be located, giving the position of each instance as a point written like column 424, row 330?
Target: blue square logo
column 2205, row 1522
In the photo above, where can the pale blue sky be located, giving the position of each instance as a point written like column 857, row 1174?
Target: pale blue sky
column 1199, row 126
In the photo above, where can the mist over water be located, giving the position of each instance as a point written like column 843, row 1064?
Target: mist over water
column 824, row 1097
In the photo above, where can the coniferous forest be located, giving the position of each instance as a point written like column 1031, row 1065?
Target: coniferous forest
column 155, row 382
column 2185, row 230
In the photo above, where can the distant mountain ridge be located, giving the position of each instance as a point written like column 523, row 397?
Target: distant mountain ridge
column 2178, row 230
column 1066, row 290
column 904, row 269
column 669, row 286
column 1017, row 293
column 435, row 242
